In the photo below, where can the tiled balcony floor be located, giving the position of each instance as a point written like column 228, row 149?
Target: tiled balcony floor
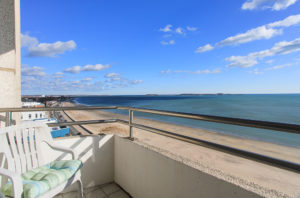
column 110, row 190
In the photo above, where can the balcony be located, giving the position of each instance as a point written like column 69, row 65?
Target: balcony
column 162, row 163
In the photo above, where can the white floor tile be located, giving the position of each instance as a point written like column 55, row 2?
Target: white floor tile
column 95, row 194
column 110, row 188
column 119, row 194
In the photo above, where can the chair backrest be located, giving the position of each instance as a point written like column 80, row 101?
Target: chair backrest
column 21, row 145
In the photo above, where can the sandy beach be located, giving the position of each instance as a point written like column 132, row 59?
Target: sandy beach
column 243, row 172
column 265, row 148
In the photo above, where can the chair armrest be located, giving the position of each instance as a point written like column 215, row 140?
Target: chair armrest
column 64, row 149
column 16, row 181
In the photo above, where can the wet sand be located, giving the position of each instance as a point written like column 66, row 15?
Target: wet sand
column 266, row 180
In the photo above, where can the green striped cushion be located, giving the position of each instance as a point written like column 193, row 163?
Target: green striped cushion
column 42, row 179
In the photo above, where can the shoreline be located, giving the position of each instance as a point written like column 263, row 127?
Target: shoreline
column 215, row 131
column 284, row 152
column 196, row 128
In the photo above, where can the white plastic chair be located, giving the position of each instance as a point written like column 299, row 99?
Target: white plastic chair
column 21, row 146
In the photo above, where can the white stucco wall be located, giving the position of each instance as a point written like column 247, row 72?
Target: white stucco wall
column 10, row 74
column 33, row 115
column 144, row 173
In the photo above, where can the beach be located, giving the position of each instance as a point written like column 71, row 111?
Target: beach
column 265, row 148
column 246, row 173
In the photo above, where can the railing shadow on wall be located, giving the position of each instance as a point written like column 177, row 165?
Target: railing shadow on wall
column 95, row 151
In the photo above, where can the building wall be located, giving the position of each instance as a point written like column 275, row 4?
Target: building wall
column 32, row 104
column 145, row 173
column 27, row 116
column 33, row 115
column 10, row 74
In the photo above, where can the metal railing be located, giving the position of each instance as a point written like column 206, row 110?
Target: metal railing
column 280, row 127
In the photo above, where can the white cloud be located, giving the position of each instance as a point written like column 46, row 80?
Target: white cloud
column 47, row 83
column 287, row 22
column 251, row 4
column 283, row 4
column 189, row 28
column 204, row 48
column 34, row 71
column 112, row 75
column 167, row 28
column 169, row 32
column 167, row 35
column 256, row 72
column 115, row 80
column 35, row 48
column 27, row 41
column 179, row 30
column 97, row 67
column 206, row 71
column 171, row 42
column 135, row 82
column 270, row 61
column 34, row 79
column 58, row 75
column 166, row 71
column 258, row 33
column 241, row 61
column 267, row 4
column 73, row 70
column 262, row 32
column 284, row 47
column 51, row 49
column 278, row 67
column 77, row 69
column 87, row 79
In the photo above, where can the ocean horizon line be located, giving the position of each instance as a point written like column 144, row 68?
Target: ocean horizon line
column 150, row 94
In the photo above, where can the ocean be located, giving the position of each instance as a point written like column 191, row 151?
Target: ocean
column 267, row 107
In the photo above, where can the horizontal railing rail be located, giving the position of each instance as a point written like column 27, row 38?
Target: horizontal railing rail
column 280, row 127
column 56, row 108
column 82, row 122
column 283, row 127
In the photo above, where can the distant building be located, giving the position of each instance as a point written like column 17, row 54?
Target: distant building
column 33, row 115
column 41, row 116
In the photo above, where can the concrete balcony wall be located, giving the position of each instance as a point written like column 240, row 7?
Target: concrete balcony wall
column 143, row 172
column 96, row 153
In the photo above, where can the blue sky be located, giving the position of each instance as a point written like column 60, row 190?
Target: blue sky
column 161, row 47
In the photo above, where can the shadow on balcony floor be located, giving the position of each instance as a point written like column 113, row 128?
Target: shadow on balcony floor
column 109, row 190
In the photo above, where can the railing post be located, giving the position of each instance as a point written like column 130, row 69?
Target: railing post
column 130, row 124
column 8, row 118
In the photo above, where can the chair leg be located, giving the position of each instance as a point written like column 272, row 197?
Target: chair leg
column 80, row 189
